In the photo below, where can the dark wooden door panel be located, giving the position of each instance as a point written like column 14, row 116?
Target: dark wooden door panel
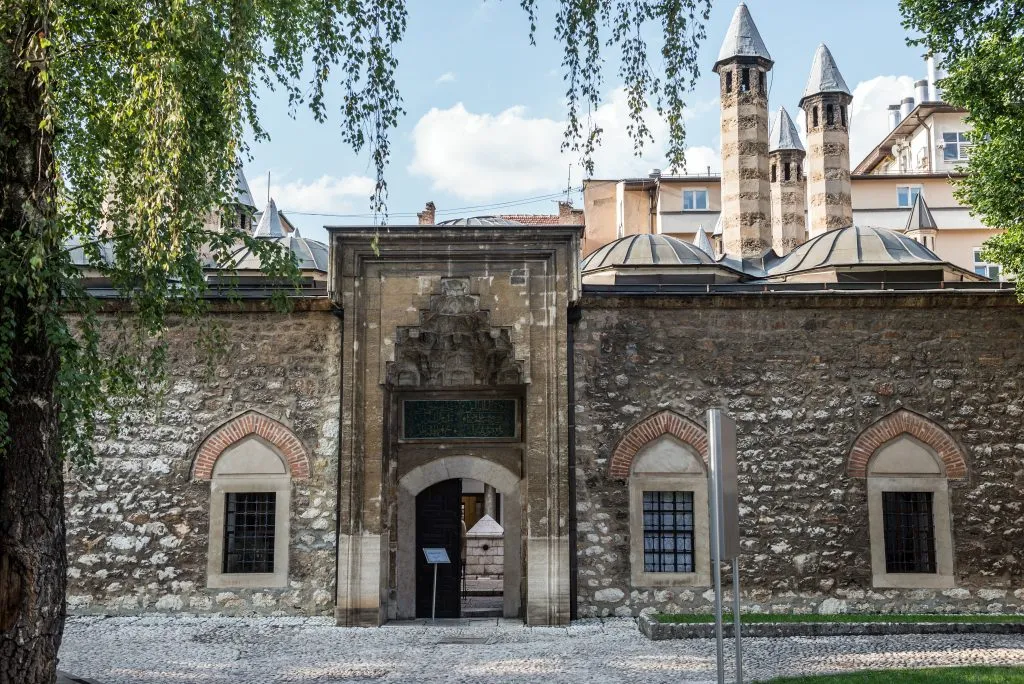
column 439, row 524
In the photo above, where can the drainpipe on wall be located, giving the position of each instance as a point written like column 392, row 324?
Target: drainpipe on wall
column 573, row 317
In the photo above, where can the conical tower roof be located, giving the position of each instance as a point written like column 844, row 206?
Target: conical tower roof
column 921, row 216
column 270, row 223
column 703, row 242
column 742, row 39
column 784, row 135
column 243, row 196
column 825, row 76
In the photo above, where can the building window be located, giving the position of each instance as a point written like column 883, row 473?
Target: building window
column 955, row 146
column 799, row 172
column 814, row 116
column 745, row 83
column 669, row 544
column 774, row 173
column 985, row 268
column 830, row 115
column 249, row 532
column 668, row 532
column 250, row 501
column 907, row 195
column 761, row 86
column 785, row 172
column 695, row 200
column 842, row 114
column 909, row 532
column 728, row 81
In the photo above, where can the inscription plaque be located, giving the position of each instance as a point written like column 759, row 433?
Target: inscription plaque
column 459, row 418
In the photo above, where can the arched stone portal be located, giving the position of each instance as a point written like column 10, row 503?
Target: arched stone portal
column 448, row 468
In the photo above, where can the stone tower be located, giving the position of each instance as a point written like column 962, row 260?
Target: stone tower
column 825, row 101
column 789, row 189
column 743, row 65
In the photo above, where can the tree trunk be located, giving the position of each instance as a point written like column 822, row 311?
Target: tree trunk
column 32, row 555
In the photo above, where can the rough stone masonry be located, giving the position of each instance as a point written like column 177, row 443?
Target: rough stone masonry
column 137, row 522
column 803, row 374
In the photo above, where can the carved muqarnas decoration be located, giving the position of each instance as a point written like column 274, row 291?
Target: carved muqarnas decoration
column 454, row 344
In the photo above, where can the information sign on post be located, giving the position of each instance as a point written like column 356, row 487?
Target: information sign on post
column 435, row 557
column 723, row 500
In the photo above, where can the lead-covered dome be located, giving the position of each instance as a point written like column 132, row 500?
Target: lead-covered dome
column 480, row 222
column 855, row 246
column 311, row 255
column 647, row 250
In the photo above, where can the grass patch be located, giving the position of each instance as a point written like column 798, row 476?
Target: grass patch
column 762, row 618
column 941, row 675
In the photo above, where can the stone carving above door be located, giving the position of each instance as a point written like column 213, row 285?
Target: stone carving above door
column 454, row 344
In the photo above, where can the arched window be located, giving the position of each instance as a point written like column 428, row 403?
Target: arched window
column 774, row 173
column 664, row 458
column 761, row 86
column 745, row 83
column 830, row 115
column 908, row 461
column 785, row 172
column 814, row 116
column 842, row 114
column 728, row 81
column 250, row 462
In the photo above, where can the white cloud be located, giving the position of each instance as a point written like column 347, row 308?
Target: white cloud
column 482, row 156
column 446, row 77
column 869, row 117
column 325, row 194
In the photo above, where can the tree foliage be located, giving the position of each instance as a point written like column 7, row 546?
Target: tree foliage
column 121, row 123
column 981, row 45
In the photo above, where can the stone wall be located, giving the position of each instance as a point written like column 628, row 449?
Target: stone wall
column 137, row 521
column 803, row 375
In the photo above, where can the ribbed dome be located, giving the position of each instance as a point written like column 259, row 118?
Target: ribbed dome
column 480, row 222
column 310, row 254
column 855, row 246
column 647, row 250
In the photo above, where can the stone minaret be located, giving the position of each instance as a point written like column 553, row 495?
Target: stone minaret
column 743, row 65
column 789, row 189
column 825, row 101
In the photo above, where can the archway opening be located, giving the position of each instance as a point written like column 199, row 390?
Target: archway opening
column 471, row 507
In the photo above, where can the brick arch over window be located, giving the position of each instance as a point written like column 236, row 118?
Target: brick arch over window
column 902, row 421
column 650, row 429
column 240, row 427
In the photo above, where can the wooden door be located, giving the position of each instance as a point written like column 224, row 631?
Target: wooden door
column 439, row 524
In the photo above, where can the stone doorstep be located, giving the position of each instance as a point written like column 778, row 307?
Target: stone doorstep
column 658, row 631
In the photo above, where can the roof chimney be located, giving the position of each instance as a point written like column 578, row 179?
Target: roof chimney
column 894, row 117
column 426, row 217
column 921, row 90
column 906, row 107
column 654, row 174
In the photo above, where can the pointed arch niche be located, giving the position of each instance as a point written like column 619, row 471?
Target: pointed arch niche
column 664, row 458
column 908, row 460
column 250, row 462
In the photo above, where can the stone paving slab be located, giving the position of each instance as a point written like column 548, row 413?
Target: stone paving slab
column 172, row 650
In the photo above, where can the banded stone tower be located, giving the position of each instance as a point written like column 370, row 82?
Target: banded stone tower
column 743, row 65
column 825, row 101
column 789, row 189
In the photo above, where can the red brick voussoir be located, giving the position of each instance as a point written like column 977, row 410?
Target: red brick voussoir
column 900, row 422
column 651, row 428
column 240, row 427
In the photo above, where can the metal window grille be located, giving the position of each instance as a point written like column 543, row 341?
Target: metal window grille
column 668, row 532
column 249, row 525
column 909, row 532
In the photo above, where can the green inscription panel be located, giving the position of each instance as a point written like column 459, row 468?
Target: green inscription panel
column 459, row 419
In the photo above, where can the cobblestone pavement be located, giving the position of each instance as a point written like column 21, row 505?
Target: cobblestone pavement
column 166, row 650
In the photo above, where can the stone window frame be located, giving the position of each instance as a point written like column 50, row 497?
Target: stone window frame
column 951, row 464
column 691, row 435
column 294, row 459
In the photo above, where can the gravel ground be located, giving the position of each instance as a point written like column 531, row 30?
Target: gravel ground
column 166, row 650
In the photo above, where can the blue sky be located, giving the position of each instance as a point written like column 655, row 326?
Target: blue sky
column 485, row 109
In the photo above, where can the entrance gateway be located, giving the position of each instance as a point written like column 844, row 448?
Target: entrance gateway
column 454, row 368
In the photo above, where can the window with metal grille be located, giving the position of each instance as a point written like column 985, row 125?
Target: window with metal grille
column 909, row 532
column 249, row 523
column 668, row 532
